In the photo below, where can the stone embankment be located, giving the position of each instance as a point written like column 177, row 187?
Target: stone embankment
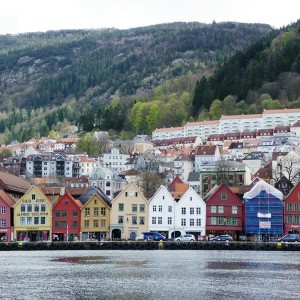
column 131, row 245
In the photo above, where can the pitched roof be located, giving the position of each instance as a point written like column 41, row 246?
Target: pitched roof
column 93, row 190
column 7, row 199
column 194, row 176
column 206, row 150
column 171, row 186
column 14, row 183
column 253, row 116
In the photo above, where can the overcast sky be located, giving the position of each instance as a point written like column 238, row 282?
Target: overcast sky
column 18, row 16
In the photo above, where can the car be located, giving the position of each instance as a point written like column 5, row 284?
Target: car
column 221, row 238
column 151, row 236
column 185, row 238
column 290, row 237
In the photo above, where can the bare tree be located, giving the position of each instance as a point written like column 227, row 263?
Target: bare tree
column 149, row 183
column 289, row 166
column 222, row 171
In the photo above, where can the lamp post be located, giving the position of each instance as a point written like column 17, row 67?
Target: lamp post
column 67, row 232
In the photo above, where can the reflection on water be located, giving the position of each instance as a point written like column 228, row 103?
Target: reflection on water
column 156, row 274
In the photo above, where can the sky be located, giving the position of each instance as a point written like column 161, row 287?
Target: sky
column 19, row 16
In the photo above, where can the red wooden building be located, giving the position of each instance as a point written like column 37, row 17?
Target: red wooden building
column 6, row 217
column 66, row 219
column 224, row 212
column 292, row 211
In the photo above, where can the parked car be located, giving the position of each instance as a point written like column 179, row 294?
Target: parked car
column 221, row 238
column 290, row 237
column 185, row 238
column 151, row 236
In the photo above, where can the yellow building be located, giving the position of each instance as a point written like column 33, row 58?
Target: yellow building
column 95, row 215
column 32, row 216
column 129, row 214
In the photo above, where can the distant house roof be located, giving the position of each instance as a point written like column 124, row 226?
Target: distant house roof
column 171, row 186
column 93, row 190
column 194, row 176
column 13, row 183
column 7, row 199
column 206, row 150
column 184, row 157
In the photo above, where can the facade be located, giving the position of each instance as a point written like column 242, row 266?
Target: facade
column 183, row 165
column 32, row 217
column 205, row 155
column 190, row 214
column 263, row 211
column 6, row 217
column 95, row 215
column 115, row 160
column 292, row 211
column 66, row 217
column 162, row 213
column 129, row 214
column 224, row 212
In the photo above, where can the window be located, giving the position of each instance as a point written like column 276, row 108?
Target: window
column 64, row 224
column 75, row 213
column 234, row 210
column 221, row 221
column 198, row 222
column 57, row 213
column 183, row 210
column 29, row 220
column 22, row 207
column 96, row 211
column 142, row 220
column 134, row 220
column 296, row 219
column 169, row 220
column 154, row 208
column 121, row 206
column 153, row 220
column 192, row 210
column 213, row 209
column 3, row 223
column 36, row 208
column 103, row 223
column 56, row 224
column 74, row 224
column 103, row 211
column 120, row 220
column 36, row 220
column 22, row 220
column 33, row 196
column 213, row 221
column 198, row 210
column 296, row 206
column 3, row 210
column 64, row 213
column 86, row 224
column 170, row 209
column 43, row 220
column 87, row 212
column 134, row 207
column 220, row 209
column 29, row 207
column 231, row 221
column 192, row 222
column 159, row 220
column 289, row 206
column 183, row 222
column 96, row 224
column 223, row 196
column 142, row 208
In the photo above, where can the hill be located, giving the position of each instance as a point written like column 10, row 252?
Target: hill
column 51, row 80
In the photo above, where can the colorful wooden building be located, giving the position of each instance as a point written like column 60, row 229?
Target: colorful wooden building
column 6, row 217
column 292, row 211
column 95, row 215
column 66, row 219
column 32, row 216
column 224, row 212
column 129, row 214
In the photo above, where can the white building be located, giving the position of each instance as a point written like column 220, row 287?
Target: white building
column 115, row 160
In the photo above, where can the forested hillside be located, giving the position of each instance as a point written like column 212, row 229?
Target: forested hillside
column 265, row 74
column 103, row 79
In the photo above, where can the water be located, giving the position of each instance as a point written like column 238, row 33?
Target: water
column 156, row 274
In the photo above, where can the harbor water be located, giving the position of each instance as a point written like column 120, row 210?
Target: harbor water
column 161, row 274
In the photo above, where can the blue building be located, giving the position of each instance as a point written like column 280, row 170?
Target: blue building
column 263, row 211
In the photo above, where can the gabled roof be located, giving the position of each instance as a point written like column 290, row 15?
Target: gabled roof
column 206, row 150
column 67, row 195
column 13, row 183
column 216, row 189
column 171, row 186
column 184, row 157
column 7, row 199
column 261, row 185
column 194, row 176
column 92, row 191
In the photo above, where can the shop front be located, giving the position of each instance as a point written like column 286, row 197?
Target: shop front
column 33, row 235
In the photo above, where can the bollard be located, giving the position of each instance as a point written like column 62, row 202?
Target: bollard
column 161, row 245
column 20, row 244
column 279, row 245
